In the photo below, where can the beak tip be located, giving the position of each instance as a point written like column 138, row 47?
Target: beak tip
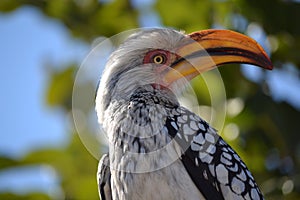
column 268, row 63
column 270, row 67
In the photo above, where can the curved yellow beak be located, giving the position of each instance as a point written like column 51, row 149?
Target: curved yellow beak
column 208, row 49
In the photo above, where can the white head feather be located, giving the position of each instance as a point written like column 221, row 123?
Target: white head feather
column 125, row 72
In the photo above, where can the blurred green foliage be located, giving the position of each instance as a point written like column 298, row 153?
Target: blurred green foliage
column 268, row 141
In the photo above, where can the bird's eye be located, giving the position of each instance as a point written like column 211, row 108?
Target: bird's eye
column 156, row 56
column 159, row 59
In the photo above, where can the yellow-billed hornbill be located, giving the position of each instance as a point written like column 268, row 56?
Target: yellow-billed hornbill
column 157, row 148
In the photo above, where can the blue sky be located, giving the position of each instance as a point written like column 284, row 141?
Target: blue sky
column 28, row 41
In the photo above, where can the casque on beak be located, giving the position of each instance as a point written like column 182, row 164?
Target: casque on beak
column 210, row 48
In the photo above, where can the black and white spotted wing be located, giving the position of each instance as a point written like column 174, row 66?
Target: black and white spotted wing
column 215, row 168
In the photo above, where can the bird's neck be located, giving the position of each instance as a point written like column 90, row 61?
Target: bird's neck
column 142, row 106
column 154, row 95
column 137, row 125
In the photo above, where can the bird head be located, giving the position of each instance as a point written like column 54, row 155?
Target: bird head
column 163, row 58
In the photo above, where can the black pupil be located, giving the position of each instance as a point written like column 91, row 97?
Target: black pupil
column 158, row 59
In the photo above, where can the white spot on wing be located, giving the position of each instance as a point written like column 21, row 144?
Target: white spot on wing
column 175, row 112
column 249, row 174
column 237, row 157
column 209, row 138
column 207, row 159
column 196, row 162
column 254, row 194
column 251, row 183
column 222, row 174
column 202, row 155
column 225, row 161
column 192, row 117
column 212, row 169
column 224, row 149
column 247, row 197
column 186, row 137
column 187, row 130
column 242, row 175
column 199, row 139
column 227, row 155
column 237, row 185
column 235, row 168
column 193, row 125
column 201, row 126
column 211, row 149
column 205, row 175
column 179, row 135
column 195, row 147
column 174, row 125
column 180, row 120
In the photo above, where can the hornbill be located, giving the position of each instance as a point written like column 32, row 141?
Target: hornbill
column 159, row 149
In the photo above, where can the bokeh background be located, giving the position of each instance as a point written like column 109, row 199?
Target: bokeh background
column 43, row 42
